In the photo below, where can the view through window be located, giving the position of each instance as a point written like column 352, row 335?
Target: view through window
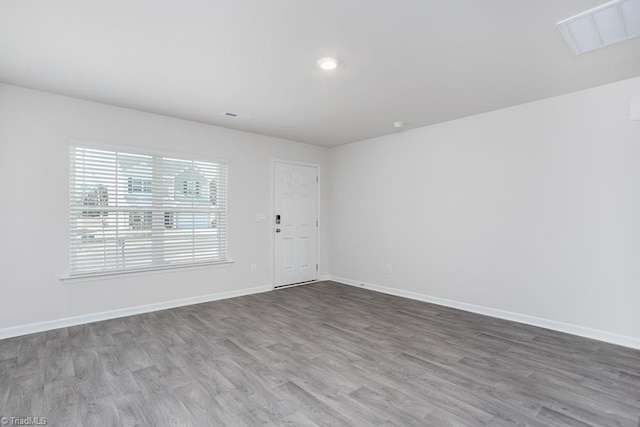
column 132, row 211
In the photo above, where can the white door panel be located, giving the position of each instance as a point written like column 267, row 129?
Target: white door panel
column 296, row 237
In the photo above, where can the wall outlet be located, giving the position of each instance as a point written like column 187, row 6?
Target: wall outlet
column 389, row 269
column 634, row 109
column 253, row 268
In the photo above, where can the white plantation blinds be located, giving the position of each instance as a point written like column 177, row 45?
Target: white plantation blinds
column 134, row 211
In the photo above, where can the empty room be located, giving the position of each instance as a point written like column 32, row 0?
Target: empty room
column 320, row 213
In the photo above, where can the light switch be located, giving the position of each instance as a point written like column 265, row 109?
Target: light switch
column 261, row 217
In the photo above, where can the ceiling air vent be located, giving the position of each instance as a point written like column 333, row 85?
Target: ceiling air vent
column 232, row 115
column 610, row 23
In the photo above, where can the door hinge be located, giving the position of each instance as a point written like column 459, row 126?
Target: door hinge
column 317, row 179
column 316, row 267
column 316, row 222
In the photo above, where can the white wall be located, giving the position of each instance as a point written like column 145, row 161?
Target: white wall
column 34, row 217
column 534, row 209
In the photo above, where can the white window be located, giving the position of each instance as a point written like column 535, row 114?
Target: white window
column 132, row 211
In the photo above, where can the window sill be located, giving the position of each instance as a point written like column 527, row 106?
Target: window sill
column 142, row 272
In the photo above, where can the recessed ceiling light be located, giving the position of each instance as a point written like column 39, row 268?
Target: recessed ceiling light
column 609, row 23
column 399, row 125
column 328, row 64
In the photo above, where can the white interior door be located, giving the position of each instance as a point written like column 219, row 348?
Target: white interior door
column 296, row 223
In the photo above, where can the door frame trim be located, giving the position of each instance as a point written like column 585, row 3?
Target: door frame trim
column 272, row 214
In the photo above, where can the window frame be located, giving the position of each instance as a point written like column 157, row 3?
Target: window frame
column 162, row 154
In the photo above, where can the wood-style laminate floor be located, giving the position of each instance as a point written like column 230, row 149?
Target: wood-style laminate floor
column 322, row 354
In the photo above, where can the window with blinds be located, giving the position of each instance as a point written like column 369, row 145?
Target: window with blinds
column 132, row 211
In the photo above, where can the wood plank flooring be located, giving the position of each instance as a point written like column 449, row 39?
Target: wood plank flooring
column 323, row 354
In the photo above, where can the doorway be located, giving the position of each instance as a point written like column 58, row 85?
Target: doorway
column 296, row 224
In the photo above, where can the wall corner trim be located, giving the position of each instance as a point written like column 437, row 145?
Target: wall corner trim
column 568, row 328
column 14, row 331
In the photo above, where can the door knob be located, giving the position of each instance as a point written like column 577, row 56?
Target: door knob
column 277, row 230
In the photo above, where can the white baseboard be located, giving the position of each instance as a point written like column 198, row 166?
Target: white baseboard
column 324, row 277
column 568, row 328
column 582, row 331
column 15, row 331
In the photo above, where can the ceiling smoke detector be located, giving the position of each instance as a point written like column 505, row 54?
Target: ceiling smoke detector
column 607, row 24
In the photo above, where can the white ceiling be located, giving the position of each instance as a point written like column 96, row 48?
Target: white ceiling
column 418, row 61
